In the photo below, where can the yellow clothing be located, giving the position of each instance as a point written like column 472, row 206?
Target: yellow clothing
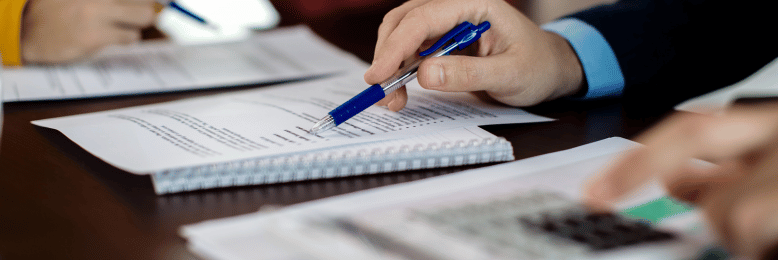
column 10, row 27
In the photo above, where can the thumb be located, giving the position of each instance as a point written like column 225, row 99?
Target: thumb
column 463, row 73
column 497, row 75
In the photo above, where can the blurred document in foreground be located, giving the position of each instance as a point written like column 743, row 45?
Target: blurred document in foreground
column 475, row 214
column 153, row 67
column 240, row 133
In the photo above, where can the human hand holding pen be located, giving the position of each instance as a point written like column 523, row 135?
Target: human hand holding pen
column 516, row 62
column 739, row 196
column 55, row 31
column 458, row 38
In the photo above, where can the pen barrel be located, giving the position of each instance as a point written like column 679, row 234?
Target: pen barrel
column 401, row 77
column 360, row 102
column 409, row 72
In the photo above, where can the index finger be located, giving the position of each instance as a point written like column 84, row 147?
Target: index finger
column 392, row 18
column 424, row 22
column 670, row 146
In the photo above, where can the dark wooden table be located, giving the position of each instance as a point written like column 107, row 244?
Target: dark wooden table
column 59, row 202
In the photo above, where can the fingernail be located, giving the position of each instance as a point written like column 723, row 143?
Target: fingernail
column 435, row 76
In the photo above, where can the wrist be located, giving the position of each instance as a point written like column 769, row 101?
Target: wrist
column 569, row 72
column 601, row 73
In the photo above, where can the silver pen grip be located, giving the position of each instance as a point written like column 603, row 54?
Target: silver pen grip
column 408, row 73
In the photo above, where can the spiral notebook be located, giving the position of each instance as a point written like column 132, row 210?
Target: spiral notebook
column 461, row 146
column 261, row 136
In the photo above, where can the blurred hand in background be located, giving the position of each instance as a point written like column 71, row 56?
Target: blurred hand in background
column 56, row 31
column 739, row 196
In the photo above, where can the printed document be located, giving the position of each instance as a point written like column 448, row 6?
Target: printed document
column 153, row 67
column 269, row 121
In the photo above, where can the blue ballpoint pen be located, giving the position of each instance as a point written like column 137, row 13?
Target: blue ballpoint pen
column 463, row 35
column 177, row 7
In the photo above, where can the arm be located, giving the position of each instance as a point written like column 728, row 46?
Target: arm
column 56, row 31
column 52, row 31
column 603, row 77
column 670, row 51
column 667, row 51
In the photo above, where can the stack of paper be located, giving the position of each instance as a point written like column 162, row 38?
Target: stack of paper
column 241, row 135
column 153, row 67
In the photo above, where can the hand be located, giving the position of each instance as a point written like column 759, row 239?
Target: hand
column 55, row 31
column 518, row 63
column 739, row 196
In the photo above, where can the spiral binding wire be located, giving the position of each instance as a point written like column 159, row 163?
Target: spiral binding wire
column 332, row 164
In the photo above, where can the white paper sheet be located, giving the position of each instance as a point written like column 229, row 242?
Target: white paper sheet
column 268, row 121
column 762, row 84
column 247, row 237
column 153, row 67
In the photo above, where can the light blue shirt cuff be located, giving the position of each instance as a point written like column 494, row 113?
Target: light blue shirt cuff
column 600, row 65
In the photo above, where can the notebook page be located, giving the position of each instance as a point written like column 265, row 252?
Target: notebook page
column 268, row 121
column 452, row 136
column 458, row 146
column 160, row 67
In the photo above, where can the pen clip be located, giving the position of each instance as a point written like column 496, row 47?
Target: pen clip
column 463, row 35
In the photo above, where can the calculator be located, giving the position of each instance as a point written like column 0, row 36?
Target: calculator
column 530, row 225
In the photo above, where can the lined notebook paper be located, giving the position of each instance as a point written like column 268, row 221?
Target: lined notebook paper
column 461, row 146
column 153, row 67
column 256, row 136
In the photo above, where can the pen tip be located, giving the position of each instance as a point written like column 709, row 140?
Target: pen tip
column 322, row 125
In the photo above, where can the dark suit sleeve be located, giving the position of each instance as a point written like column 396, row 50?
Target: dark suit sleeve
column 670, row 51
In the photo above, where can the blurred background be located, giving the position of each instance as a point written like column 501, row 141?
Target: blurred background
column 328, row 18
